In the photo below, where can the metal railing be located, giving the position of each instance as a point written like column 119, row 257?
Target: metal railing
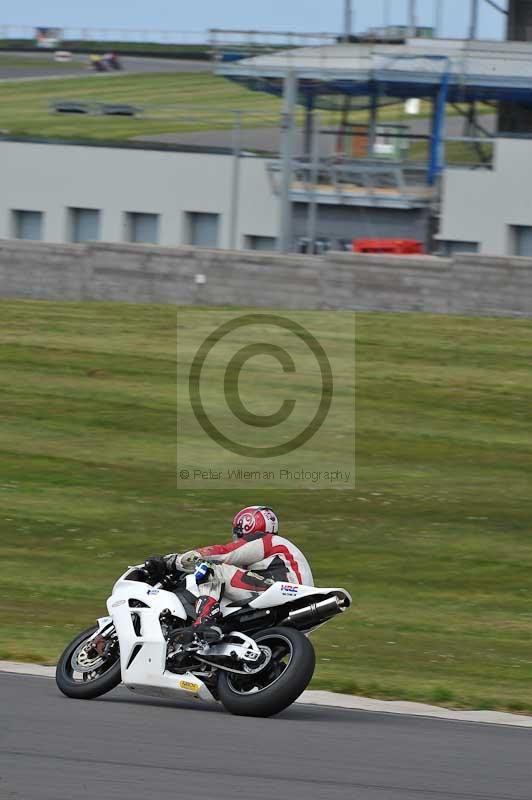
column 217, row 37
column 358, row 182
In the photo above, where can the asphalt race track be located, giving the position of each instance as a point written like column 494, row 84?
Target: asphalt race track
column 125, row 747
column 269, row 138
column 132, row 66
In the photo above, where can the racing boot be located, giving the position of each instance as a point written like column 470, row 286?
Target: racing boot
column 204, row 626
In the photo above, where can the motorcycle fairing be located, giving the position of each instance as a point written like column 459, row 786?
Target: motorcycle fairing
column 143, row 656
column 282, row 592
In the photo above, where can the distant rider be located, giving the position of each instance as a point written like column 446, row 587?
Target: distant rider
column 241, row 570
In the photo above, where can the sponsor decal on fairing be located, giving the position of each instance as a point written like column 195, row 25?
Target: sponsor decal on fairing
column 288, row 589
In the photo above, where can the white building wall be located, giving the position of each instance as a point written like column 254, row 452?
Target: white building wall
column 52, row 177
column 482, row 205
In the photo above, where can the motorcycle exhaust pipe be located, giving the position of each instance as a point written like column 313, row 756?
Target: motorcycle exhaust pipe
column 316, row 613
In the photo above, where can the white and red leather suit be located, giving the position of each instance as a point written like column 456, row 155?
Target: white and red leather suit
column 246, row 567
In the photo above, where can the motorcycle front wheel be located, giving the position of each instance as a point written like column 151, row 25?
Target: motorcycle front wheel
column 85, row 673
column 291, row 662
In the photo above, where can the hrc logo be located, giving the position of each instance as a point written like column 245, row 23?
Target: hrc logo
column 287, row 589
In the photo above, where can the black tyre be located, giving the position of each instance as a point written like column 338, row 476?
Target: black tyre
column 282, row 680
column 84, row 673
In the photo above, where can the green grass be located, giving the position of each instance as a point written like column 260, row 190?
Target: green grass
column 434, row 543
column 456, row 153
column 178, row 102
column 209, row 99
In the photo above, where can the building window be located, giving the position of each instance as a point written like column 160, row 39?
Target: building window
column 83, row 224
column 450, row 248
column 202, row 229
column 27, row 224
column 268, row 243
column 521, row 240
column 142, row 228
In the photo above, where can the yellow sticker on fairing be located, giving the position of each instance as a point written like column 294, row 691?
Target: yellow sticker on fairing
column 190, row 687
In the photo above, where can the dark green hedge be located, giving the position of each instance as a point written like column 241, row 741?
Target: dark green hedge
column 200, row 52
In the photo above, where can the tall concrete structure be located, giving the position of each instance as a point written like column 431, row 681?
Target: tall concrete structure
column 348, row 20
column 519, row 21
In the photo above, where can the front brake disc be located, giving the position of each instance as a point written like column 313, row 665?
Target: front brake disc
column 83, row 660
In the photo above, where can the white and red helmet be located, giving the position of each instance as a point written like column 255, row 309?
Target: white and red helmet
column 254, row 519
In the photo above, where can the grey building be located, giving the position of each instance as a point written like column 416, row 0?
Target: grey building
column 490, row 211
column 226, row 198
column 78, row 193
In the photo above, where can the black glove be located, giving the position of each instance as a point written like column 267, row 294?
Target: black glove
column 156, row 568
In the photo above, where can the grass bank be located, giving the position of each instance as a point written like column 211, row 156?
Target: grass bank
column 174, row 102
column 434, row 543
column 178, row 102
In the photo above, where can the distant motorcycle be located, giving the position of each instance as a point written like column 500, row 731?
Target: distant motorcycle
column 96, row 63
column 112, row 61
column 105, row 63
column 258, row 669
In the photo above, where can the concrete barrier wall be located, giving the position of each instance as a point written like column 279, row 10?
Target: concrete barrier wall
column 468, row 284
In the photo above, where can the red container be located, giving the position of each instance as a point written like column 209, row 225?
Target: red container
column 389, row 246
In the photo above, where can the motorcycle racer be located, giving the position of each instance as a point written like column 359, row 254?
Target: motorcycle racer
column 241, row 569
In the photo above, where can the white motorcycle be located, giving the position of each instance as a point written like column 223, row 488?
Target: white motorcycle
column 258, row 669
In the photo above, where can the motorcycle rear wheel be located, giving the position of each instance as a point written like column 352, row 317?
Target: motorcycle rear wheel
column 105, row 676
column 281, row 682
